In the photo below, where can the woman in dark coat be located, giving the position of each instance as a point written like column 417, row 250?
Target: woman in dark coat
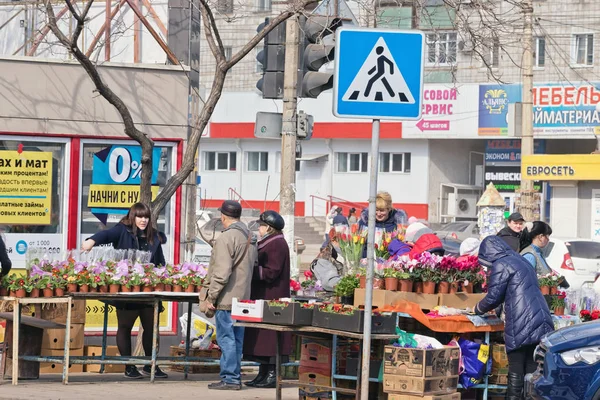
column 270, row 281
column 134, row 231
column 5, row 262
column 512, row 281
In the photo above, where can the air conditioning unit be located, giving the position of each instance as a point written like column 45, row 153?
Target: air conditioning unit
column 466, row 46
column 462, row 205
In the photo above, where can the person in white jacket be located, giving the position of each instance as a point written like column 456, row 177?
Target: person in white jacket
column 335, row 210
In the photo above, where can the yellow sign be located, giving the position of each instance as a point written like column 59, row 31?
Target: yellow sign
column 115, row 196
column 94, row 318
column 567, row 167
column 25, row 187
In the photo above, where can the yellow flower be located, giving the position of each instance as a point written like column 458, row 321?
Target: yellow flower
column 71, row 279
column 355, row 239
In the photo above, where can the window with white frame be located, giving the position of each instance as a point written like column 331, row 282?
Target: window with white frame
column 263, row 5
column 441, row 48
column 258, row 161
column 220, row 161
column 540, row 52
column 394, row 162
column 352, row 162
column 491, row 53
column 583, row 49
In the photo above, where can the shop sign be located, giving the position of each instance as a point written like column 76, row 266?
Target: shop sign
column 25, row 187
column 595, row 214
column 509, row 150
column 20, row 245
column 572, row 167
column 94, row 318
column 116, row 173
column 505, row 178
column 558, row 109
column 448, row 111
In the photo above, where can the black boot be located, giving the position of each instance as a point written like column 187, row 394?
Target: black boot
column 262, row 373
column 515, row 386
column 270, row 379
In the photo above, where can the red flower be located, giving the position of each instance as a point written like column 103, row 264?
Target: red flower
column 354, row 228
column 295, row 286
column 308, row 274
column 595, row 315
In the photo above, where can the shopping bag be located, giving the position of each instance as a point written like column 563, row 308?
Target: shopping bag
column 200, row 327
column 474, row 360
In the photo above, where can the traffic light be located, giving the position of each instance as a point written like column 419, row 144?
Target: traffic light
column 272, row 58
column 317, row 48
column 304, row 125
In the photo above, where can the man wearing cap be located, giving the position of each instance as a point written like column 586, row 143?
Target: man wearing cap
column 511, row 234
column 229, row 275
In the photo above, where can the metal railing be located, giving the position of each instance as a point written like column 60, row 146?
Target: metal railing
column 232, row 194
column 331, row 200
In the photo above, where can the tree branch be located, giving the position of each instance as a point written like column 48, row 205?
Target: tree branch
column 210, row 26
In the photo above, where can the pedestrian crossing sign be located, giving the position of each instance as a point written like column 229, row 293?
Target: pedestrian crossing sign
column 378, row 74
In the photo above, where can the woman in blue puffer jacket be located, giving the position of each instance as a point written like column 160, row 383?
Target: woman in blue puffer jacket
column 512, row 281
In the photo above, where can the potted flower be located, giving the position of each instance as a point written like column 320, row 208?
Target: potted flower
column 31, row 286
column 17, row 285
column 344, row 289
column 378, row 273
column 60, row 285
column 405, row 282
column 295, row 286
column 445, row 276
column 558, row 303
column 555, row 280
column 362, row 276
column 391, row 278
column 429, row 273
column 135, row 282
column 46, row 284
column 544, row 281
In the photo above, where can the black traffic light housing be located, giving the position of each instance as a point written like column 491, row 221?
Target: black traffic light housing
column 272, row 58
column 317, row 48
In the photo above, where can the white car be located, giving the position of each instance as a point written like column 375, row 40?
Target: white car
column 578, row 260
column 459, row 230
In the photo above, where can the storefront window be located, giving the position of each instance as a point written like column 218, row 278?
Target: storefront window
column 32, row 198
column 124, row 161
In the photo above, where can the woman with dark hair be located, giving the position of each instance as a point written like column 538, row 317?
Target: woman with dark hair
column 134, row 231
column 534, row 238
column 5, row 263
column 270, row 281
column 512, row 282
column 352, row 216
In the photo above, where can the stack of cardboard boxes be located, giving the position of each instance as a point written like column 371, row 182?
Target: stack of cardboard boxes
column 315, row 368
column 418, row 374
column 53, row 340
column 499, row 365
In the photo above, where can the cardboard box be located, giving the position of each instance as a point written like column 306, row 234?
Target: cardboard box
column 383, row 323
column 291, row 314
column 419, row 386
column 499, row 360
column 57, row 368
column 215, row 354
column 58, row 312
column 383, row 298
column 316, row 354
column 461, row 300
column 498, row 379
column 312, row 376
column 250, row 312
column 421, row 363
column 96, row 351
column 55, row 338
column 453, row 396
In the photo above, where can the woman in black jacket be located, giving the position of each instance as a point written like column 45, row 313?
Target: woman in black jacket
column 512, row 281
column 134, row 231
column 5, row 263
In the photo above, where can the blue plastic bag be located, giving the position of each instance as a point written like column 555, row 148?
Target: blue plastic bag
column 474, row 359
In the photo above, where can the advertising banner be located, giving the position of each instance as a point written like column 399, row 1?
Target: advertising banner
column 509, row 150
column 116, row 174
column 558, row 109
column 449, row 111
column 595, row 214
column 25, row 187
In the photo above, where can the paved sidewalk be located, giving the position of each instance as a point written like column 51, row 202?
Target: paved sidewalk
column 91, row 386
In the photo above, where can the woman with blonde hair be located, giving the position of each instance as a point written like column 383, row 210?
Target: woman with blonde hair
column 387, row 218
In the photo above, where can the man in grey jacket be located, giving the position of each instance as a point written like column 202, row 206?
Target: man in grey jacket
column 229, row 275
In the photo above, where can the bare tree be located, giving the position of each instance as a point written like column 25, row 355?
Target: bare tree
column 79, row 13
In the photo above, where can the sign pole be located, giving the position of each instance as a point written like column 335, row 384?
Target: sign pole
column 366, row 345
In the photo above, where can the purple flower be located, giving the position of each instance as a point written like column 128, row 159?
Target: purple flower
column 37, row 271
column 137, row 269
column 97, row 269
column 79, row 267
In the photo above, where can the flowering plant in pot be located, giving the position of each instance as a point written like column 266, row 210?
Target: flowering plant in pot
column 31, row 286
column 17, row 285
column 310, row 285
column 390, row 275
column 586, row 315
column 470, row 273
column 446, row 274
column 295, row 286
column 558, row 303
column 545, row 281
column 427, row 264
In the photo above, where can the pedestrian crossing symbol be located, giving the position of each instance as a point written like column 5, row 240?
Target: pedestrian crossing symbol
column 379, row 79
column 379, row 74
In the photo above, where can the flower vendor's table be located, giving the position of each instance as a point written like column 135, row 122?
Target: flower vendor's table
column 17, row 306
column 314, row 331
column 147, row 297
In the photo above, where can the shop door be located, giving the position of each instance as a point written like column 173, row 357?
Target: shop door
column 315, row 183
column 563, row 218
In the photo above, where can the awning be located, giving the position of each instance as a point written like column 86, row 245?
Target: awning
column 312, row 157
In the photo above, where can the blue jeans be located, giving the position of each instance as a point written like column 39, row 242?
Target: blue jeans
column 231, row 342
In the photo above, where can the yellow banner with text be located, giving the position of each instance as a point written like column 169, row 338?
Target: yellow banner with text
column 563, row 167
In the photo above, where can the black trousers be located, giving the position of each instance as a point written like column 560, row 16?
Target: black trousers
column 520, row 361
column 126, row 320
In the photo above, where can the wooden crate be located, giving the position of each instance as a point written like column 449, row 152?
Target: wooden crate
column 177, row 351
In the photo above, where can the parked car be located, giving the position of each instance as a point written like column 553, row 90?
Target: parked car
column 459, row 230
column 568, row 365
column 452, row 246
column 578, row 260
